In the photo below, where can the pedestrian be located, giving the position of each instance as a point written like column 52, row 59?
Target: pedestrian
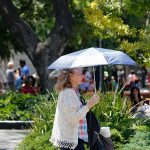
column 10, row 76
column 1, row 88
column 28, row 86
column 70, row 125
column 132, row 79
column 86, row 79
column 18, row 80
column 24, row 68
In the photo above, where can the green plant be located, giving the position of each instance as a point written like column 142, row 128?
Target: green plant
column 44, row 116
column 17, row 106
column 36, row 141
column 115, row 113
column 110, row 112
column 139, row 141
column 41, row 130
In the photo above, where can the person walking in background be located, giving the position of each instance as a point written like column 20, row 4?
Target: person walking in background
column 105, row 80
column 24, row 68
column 132, row 79
column 86, row 79
column 10, row 76
column 113, row 83
column 70, row 126
column 3, row 82
column 29, row 86
column 1, row 88
column 18, row 80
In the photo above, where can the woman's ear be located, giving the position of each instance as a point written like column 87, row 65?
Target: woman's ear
column 71, row 75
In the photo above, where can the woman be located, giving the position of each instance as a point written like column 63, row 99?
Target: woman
column 135, row 97
column 70, row 127
column 10, row 76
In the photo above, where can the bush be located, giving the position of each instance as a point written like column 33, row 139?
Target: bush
column 41, row 131
column 17, row 106
column 139, row 141
column 36, row 141
column 113, row 113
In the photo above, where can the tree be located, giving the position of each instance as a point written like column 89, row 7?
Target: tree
column 41, row 53
column 126, row 22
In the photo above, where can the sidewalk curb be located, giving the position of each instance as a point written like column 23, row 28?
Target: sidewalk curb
column 15, row 124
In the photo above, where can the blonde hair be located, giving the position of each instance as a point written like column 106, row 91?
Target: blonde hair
column 10, row 64
column 63, row 80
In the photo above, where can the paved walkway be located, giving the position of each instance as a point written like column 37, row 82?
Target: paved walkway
column 9, row 139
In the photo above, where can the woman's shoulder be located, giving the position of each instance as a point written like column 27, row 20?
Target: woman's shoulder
column 67, row 96
column 67, row 91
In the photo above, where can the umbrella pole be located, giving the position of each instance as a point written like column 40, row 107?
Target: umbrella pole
column 94, row 79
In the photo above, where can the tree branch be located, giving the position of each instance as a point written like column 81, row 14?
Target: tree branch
column 59, row 35
column 62, row 14
column 21, row 32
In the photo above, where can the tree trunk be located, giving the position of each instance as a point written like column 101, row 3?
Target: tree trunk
column 41, row 54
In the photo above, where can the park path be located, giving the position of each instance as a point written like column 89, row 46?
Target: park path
column 9, row 139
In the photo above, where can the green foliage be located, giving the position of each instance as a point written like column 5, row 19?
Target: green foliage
column 142, row 128
column 123, row 22
column 36, row 141
column 126, row 22
column 41, row 131
column 44, row 115
column 116, row 135
column 113, row 112
column 138, row 49
column 106, row 19
column 38, row 14
column 139, row 141
column 137, row 7
column 16, row 106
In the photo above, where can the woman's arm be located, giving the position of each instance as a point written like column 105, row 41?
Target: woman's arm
column 68, row 103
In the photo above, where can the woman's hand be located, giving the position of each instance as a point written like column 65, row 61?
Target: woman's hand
column 93, row 101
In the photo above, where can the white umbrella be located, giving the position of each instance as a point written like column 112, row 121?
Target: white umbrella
column 92, row 57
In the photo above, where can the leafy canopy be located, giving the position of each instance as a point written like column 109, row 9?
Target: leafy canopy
column 126, row 21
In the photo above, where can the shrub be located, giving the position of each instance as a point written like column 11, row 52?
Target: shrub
column 110, row 112
column 139, row 141
column 41, row 131
column 16, row 106
column 115, row 113
column 36, row 141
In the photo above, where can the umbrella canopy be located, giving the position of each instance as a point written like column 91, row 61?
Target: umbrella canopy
column 92, row 57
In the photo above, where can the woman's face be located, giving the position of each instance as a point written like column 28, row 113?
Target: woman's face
column 76, row 77
column 135, row 92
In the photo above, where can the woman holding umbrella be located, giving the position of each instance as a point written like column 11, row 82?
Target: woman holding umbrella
column 70, row 126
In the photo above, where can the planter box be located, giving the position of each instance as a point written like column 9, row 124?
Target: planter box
column 15, row 124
